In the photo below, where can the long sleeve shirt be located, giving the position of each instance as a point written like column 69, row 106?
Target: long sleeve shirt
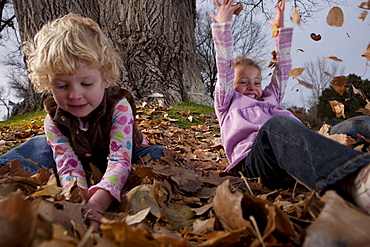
column 119, row 158
column 241, row 117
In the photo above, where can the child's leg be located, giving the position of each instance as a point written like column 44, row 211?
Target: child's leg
column 285, row 146
column 35, row 149
column 353, row 126
column 155, row 151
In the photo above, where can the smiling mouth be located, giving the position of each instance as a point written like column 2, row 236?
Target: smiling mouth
column 253, row 96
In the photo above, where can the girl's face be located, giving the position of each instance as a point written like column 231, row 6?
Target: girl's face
column 248, row 81
column 81, row 93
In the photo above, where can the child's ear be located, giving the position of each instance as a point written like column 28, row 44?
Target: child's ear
column 107, row 84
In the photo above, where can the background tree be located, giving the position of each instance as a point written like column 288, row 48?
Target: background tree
column 248, row 35
column 319, row 73
column 352, row 101
column 155, row 40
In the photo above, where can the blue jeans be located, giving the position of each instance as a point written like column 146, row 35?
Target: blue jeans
column 285, row 150
column 37, row 150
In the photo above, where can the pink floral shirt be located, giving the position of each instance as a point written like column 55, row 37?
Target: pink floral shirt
column 119, row 158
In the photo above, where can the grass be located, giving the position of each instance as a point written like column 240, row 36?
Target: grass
column 181, row 111
column 36, row 117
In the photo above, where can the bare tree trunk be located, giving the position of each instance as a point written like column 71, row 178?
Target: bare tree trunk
column 155, row 40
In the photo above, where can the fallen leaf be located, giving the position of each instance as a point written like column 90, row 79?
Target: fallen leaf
column 296, row 72
column 228, row 209
column 296, row 17
column 332, row 228
column 335, row 17
column 315, row 37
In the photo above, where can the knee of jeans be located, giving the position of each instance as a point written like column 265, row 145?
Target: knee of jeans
column 157, row 152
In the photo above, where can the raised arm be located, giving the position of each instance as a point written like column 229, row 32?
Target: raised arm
column 222, row 37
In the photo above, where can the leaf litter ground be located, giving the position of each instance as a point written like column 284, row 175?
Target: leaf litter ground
column 183, row 200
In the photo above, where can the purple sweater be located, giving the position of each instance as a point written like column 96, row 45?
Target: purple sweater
column 241, row 117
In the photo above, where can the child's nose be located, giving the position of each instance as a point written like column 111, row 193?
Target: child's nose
column 74, row 93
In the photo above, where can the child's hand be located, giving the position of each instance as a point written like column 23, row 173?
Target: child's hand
column 96, row 206
column 225, row 11
column 279, row 17
column 94, row 212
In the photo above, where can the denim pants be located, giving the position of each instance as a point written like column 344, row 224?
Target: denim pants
column 286, row 150
column 37, row 150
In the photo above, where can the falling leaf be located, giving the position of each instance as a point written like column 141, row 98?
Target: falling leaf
column 339, row 84
column 238, row 10
column 327, row 73
column 296, row 72
column 333, row 58
column 306, row 84
column 273, row 60
column 315, row 37
column 337, row 108
column 296, row 17
column 367, row 52
column 335, row 17
column 364, row 5
column 363, row 15
column 275, row 30
column 301, row 50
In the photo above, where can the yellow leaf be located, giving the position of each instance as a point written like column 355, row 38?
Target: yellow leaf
column 296, row 72
column 275, row 32
column 335, row 17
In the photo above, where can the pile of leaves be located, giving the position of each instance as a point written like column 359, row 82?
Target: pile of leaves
column 183, row 200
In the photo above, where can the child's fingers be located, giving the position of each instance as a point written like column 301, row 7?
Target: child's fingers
column 218, row 4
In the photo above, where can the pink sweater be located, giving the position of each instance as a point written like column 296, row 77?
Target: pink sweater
column 241, row 117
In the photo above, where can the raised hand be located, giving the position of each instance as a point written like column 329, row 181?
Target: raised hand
column 225, row 10
column 279, row 17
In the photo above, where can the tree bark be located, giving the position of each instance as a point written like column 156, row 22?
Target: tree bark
column 155, row 40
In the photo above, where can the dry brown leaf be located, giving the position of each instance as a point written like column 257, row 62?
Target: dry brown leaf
column 296, row 72
column 228, row 209
column 315, row 37
column 324, row 130
column 335, row 17
column 333, row 58
column 363, row 15
column 203, row 226
column 338, row 108
column 342, row 139
column 339, row 84
column 296, row 17
column 367, row 52
column 301, row 50
column 238, row 10
column 18, row 221
column 349, row 227
column 365, row 5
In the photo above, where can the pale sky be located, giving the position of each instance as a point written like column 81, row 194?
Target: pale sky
column 334, row 42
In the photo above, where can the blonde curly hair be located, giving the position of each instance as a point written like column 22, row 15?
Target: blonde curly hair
column 62, row 45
